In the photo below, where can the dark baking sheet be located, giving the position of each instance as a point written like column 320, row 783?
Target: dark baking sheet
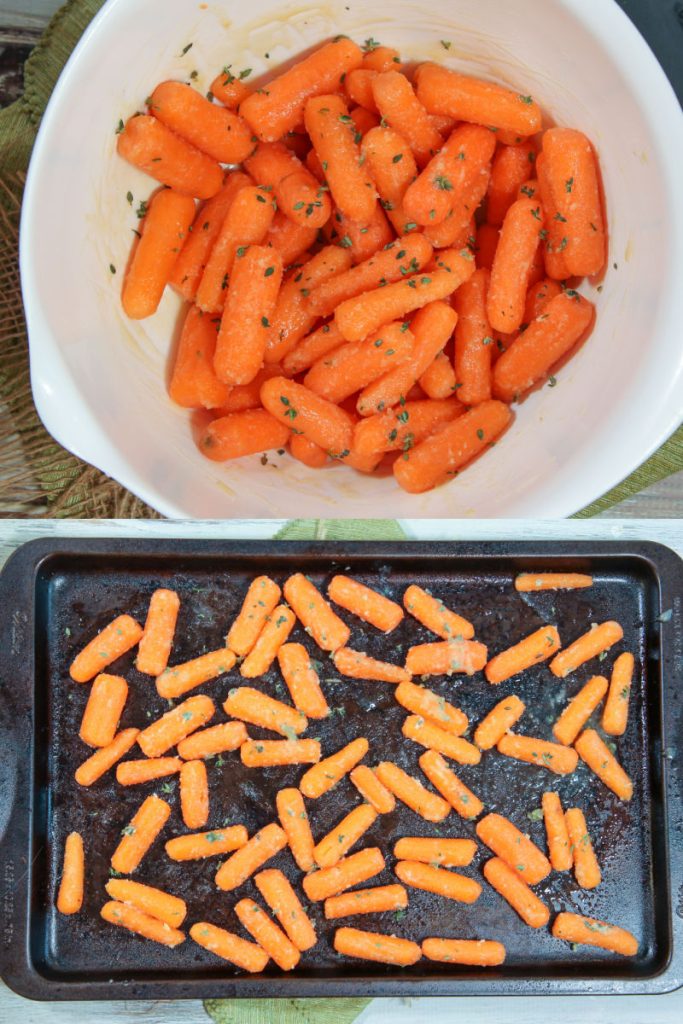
column 78, row 589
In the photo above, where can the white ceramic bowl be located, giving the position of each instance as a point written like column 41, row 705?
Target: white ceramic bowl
column 99, row 379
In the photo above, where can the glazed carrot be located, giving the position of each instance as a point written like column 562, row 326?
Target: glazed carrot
column 366, row 603
column 105, row 758
column 486, row 244
column 363, row 120
column 273, row 111
column 445, row 658
column 360, row 666
column 366, row 901
column 555, row 243
column 511, row 167
column 285, row 904
column 242, row 433
column 411, row 792
column 259, row 709
column 358, row 88
column 402, row 111
column 175, row 725
column 537, row 298
column 155, row 902
column 260, row 600
column 499, row 720
column 221, row 134
column 194, row 384
column 337, row 843
column 254, row 287
column 331, row 131
column 438, row 381
column 274, row 633
column 438, row 880
column 404, row 425
column 472, row 99
column 458, row 229
column 433, row 738
column 429, row 705
column 246, row 223
column 276, row 944
column 227, row 946
column 589, row 932
column 433, row 614
column 138, row 836
column 531, row 356
column 578, row 711
column 372, row 790
column 445, row 452
column 449, row 174
column 557, row 758
column 126, row 916
column 359, row 867
column 454, row 853
column 600, row 760
column 70, row 895
column 247, row 396
column 360, row 239
column 516, row 849
column 474, row 952
column 356, row 364
column 156, row 641
column 207, row 844
column 262, row 846
column 532, row 650
column 312, row 348
column 115, row 639
column 307, row 452
column 530, row 186
column 230, row 89
column 315, row 613
column 194, row 794
column 290, row 239
column 149, row 145
column 556, row 832
column 510, row 273
column 294, row 820
column 588, row 646
column 383, row 949
column 178, row 679
column 302, row 681
column 299, row 195
column 106, row 702
column 392, row 166
column 586, row 867
column 451, row 788
column 321, row 778
column 382, row 58
column 517, row 893
column 269, row 753
column 132, row 773
column 531, row 581
column 615, row 712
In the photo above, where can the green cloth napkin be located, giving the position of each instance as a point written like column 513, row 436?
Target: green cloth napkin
column 284, row 1011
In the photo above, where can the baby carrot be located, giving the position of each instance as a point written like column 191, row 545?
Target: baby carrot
column 276, row 944
column 307, row 452
column 473, row 952
column 246, row 955
column 291, row 240
column 356, row 364
column 320, row 421
column 260, row 600
column 556, row 241
column 366, row 901
column 194, row 384
column 600, row 760
column 312, row 348
column 359, row 867
column 449, row 174
column 445, row 658
column 175, row 725
column 207, row 844
column 615, row 712
column 435, row 709
column 262, row 846
column 537, row 298
column 586, row 867
column 337, row 843
column 392, row 166
column 532, row 650
column 247, row 396
column 302, row 681
column 153, row 148
column 438, row 880
column 486, row 244
column 254, row 286
column 126, row 916
column 359, row 239
column 511, row 167
column 315, row 614
column 516, row 849
column 557, row 758
column 258, row 708
column 70, row 895
column 556, row 832
column 299, row 195
column 323, row 776
column 400, row 427
column 132, row 773
column 578, row 711
column 178, row 679
column 589, row 932
column 382, row 58
column 155, row 902
column 438, row 380
column 530, row 581
column 367, row 604
column 138, row 836
column 156, row 641
column 589, row 645
column 499, row 720
column 411, row 792
column 451, row 788
column 115, row 639
column 454, row 853
column 402, row 111
column 331, row 131
column 358, row 88
column 105, row 758
column 445, row 452
column 285, row 904
column 516, row 892
column 269, row 753
column 361, row 666
column 194, row 794
column 515, row 253
column 272, row 636
column 372, row 790
column 383, row 949
column 106, row 701
column 230, row 89
column 443, row 91
column 433, row 738
column 546, row 340
column 280, row 107
column 433, row 614
column 220, row 133
column 294, row 820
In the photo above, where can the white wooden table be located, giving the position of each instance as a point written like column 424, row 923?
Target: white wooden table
column 667, row 1009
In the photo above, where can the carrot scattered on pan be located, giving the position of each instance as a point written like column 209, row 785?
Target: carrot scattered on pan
column 139, row 834
column 323, row 776
column 207, row 844
column 372, row 790
column 115, row 639
column 106, row 702
column 337, row 843
column 357, row 364
column 474, row 952
column 556, row 832
column 532, row 650
column 592, row 749
column 126, row 916
column 366, row 901
column 254, row 286
column 454, row 853
column 299, row 195
column 499, row 720
column 383, row 949
column 556, row 758
column 269, row 937
column 433, row 738
column 429, row 705
column 411, row 792
column 315, row 613
column 472, row 99
column 516, row 849
column 262, row 847
column 175, row 725
column 70, row 895
column 256, row 708
column 594, row 642
column 350, row 871
column 153, row 148
column 586, row 867
column 433, row 614
column 270, row 640
column 237, row 951
column 531, row 581
column 399, row 428
column 194, row 384
column 521, row 898
column 217, row 740
column 331, row 131
column 302, row 681
column 320, row 421
column 194, row 794
column 451, row 788
column 368, row 604
column 261, row 597
column 294, row 820
column 512, row 263
column 438, row 880
column 132, row 773
column 157, row 639
column 446, row 658
column 220, row 133
column 179, row 679
column 615, row 712
column 361, row 666
column 587, row 931
column 155, row 902
column 285, row 904
column 578, row 711
column 105, row 758
column 269, row 753
column 403, row 112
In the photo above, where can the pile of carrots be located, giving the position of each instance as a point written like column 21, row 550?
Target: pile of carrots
column 330, row 872
column 389, row 261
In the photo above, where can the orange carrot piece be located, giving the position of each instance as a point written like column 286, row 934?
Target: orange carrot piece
column 106, row 702
column 586, row 868
column 175, row 725
column 516, row 892
column 438, row 381
column 360, row 239
column 254, row 287
column 274, row 633
column 512, row 264
column 207, row 844
column 366, row 901
column 276, row 944
column 242, row 433
column 298, row 193
column 246, row 955
column 315, row 613
column 557, row 758
column 473, row 952
column 155, row 902
column 445, row 658
column 114, row 640
column 259, row 709
column 366, row 603
column 372, row 790
column 294, row 820
column 448, row 450
column 278, row 109
column 486, row 244
column 402, row 111
column 364, row 120
column 449, row 174
column 615, row 712
column 451, row 788
column 126, row 916
column 532, row 650
column 194, row 384
column 537, row 298
column 499, row 720
column 359, row 867
column 229, row 89
column 307, row 452
column 513, row 847
column 153, row 148
column 221, row 134
column 358, row 88
column 70, row 895
column 392, row 166
column 360, row 666
column 356, row 364
column 290, row 239
column 556, row 832
column 178, row 679
column 463, row 98
column 194, row 794
column 429, row 705
column 337, row 843
column 433, row 614
column 132, row 773
column 248, row 396
column 458, row 228
column 322, row 777
column 433, row 738
column 375, row 946
column 588, row 932
column 438, row 880
column 596, row 754
column 156, row 641
column 302, row 681
column 587, row 646
column 411, row 792
column 528, row 582
column 138, row 836
column 331, row 131
column 312, row 348
column 403, row 425
column 382, row 58
column 578, row 711
column 511, row 167
column 260, row 600
column 556, row 241
column 454, row 853
column 285, row 904
column 105, row 758
column 262, row 846
column 270, row 753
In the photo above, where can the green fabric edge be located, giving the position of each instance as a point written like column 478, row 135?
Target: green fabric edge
column 285, row 1011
